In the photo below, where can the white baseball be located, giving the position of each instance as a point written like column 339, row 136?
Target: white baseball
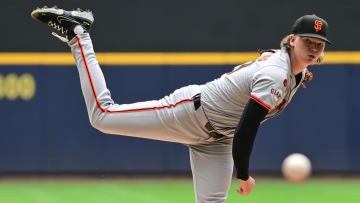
column 296, row 168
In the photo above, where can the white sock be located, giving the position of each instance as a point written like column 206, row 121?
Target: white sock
column 78, row 30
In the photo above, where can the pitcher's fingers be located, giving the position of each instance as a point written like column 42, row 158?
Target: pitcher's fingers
column 241, row 191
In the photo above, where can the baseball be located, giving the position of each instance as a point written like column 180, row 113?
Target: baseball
column 296, row 168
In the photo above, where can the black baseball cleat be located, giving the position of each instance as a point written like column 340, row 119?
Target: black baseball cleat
column 68, row 23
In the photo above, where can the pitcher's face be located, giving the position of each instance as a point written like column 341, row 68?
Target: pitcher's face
column 307, row 49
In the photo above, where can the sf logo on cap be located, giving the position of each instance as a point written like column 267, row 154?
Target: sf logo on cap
column 318, row 25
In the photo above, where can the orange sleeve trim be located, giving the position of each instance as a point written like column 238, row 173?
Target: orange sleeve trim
column 260, row 102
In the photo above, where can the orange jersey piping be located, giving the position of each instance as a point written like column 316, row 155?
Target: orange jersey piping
column 120, row 111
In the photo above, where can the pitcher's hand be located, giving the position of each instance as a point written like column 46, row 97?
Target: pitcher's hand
column 246, row 186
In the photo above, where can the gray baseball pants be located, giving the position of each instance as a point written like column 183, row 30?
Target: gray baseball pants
column 172, row 118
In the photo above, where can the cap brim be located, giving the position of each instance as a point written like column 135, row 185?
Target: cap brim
column 314, row 36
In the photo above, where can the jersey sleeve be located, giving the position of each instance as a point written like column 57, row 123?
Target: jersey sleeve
column 269, row 86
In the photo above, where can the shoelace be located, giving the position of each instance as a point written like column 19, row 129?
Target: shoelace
column 58, row 27
column 61, row 38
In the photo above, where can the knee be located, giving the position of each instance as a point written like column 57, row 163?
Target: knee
column 97, row 123
column 94, row 123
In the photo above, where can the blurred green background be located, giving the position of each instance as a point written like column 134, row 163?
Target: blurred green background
column 174, row 191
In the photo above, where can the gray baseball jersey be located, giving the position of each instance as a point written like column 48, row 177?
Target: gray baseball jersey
column 172, row 118
column 271, row 83
column 177, row 118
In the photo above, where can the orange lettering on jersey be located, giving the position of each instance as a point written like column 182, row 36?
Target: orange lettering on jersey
column 318, row 25
column 264, row 57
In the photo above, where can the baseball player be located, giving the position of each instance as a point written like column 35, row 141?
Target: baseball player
column 219, row 120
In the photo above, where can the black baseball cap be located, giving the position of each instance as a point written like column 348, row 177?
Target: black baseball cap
column 311, row 26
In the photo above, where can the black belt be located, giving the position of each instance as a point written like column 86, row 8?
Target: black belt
column 212, row 132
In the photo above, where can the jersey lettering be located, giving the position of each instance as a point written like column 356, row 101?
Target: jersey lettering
column 265, row 57
column 276, row 93
column 241, row 66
